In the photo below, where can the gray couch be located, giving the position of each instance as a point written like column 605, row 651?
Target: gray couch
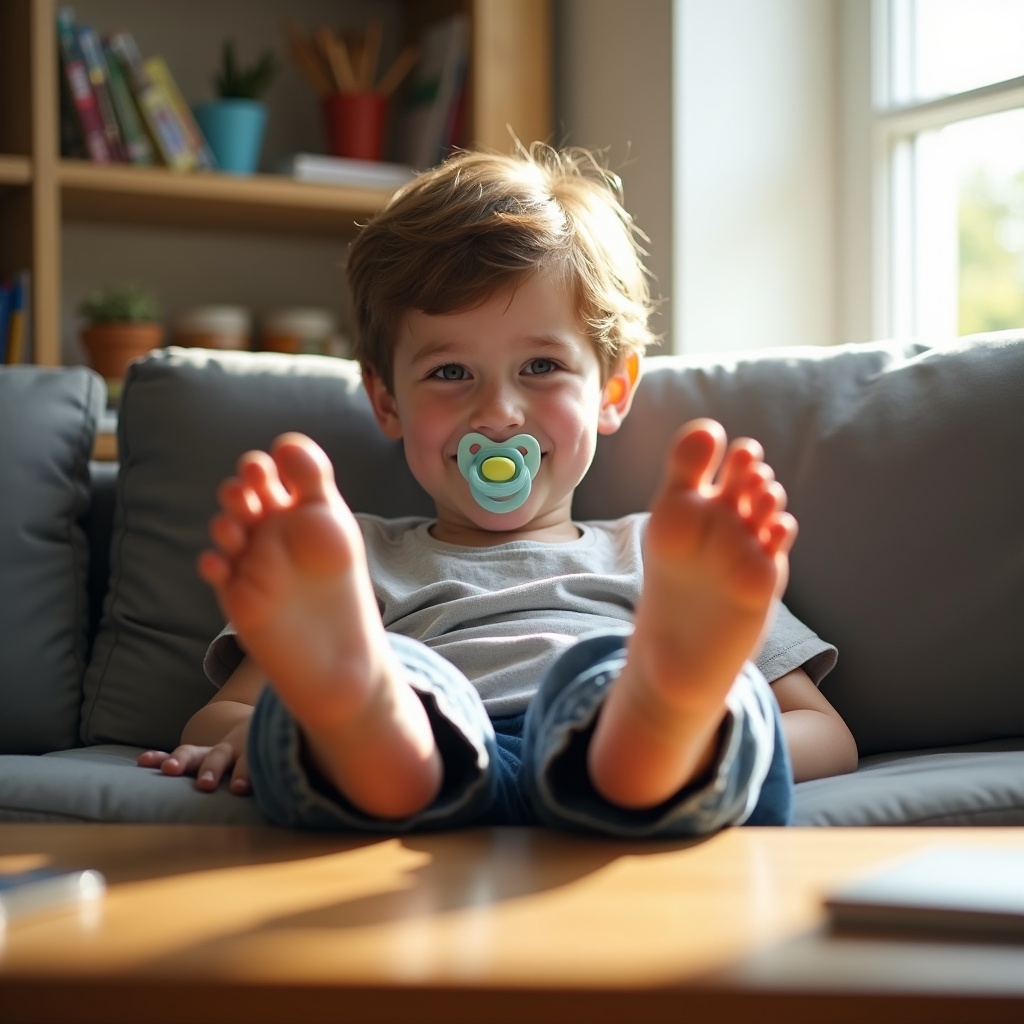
column 903, row 462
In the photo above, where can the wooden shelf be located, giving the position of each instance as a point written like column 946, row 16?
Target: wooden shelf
column 155, row 196
column 15, row 170
column 508, row 83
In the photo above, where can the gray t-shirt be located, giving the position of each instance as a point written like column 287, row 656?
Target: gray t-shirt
column 502, row 614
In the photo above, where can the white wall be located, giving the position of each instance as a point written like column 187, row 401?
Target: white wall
column 721, row 116
column 756, row 194
column 613, row 92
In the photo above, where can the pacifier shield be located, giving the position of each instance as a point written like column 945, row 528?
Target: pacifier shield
column 499, row 475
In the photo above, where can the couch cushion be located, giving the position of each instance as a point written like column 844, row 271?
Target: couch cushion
column 48, row 421
column 186, row 415
column 982, row 784
column 902, row 462
column 103, row 783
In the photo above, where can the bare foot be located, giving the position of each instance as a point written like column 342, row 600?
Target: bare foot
column 716, row 559
column 289, row 571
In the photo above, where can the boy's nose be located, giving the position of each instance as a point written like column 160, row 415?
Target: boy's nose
column 498, row 413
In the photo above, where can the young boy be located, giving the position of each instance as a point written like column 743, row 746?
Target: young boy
column 502, row 663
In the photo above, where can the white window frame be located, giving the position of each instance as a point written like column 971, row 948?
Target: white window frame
column 890, row 262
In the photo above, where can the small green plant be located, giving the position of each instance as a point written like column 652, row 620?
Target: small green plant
column 235, row 82
column 120, row 303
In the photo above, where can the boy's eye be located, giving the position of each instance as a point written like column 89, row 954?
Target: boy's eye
column 540, row 366
column 450, row 371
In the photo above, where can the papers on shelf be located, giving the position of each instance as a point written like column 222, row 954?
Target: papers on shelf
column 335, row 170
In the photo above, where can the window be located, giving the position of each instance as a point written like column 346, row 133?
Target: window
column 948, row 138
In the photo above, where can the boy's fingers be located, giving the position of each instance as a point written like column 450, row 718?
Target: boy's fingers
column 216, row 762
column 240, row 784
column 152, row 758
column 183, row 759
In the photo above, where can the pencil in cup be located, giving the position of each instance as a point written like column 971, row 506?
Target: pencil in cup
column 330, row 64
column 343, row 75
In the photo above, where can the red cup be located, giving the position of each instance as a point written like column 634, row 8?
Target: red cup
column 356, row 124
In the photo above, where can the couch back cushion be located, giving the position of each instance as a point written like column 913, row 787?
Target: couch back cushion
column 48, row 421
column 185, row 417
column 899, row 460
column 902, row 462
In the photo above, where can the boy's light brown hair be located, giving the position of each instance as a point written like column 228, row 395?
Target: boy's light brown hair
column 480, row 222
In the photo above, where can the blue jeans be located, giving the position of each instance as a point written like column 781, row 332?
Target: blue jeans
column 530, row 769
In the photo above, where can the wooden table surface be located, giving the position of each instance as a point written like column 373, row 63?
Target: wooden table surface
column 230, row 923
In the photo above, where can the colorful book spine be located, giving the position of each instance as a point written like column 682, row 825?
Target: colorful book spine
column 160, row 75
column 433, row 91
column 80, row 89
column 157, row 115
column 136, row 141
column 17, row 320
column 96, row 66
column 5, row 305
column 72, row 139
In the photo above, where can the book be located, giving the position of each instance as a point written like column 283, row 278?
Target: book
column 138, row 148
column 336, row 170
column 942, row 890
column 434, row 91
column 72, row 138
column 17, row 320
column 5, row 305
column 457, row 120
column 160, row 75
column 155, row 111
column 45, row 889
column 83, row 99
column 96, row 66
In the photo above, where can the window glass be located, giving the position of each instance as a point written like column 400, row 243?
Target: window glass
column 987, row 157
column 965, row 44
column 966, row 251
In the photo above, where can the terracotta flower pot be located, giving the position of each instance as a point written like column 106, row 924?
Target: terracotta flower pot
column 111, row 347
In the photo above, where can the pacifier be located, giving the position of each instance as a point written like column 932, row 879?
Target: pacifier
column 499, row 475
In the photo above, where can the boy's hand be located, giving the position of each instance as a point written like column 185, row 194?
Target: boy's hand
column 208, row 764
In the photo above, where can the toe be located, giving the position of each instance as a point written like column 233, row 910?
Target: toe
column 213, row 567
column 747, row 492
column 259, row 473
column 304, row 468
column 228, row 535
column 782, row 531
column 697, row 453
column 239, row 501
column 765, row 505
column 741, row 461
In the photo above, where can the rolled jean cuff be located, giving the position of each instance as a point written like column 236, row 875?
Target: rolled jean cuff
column 292, row 795
column 560, row 722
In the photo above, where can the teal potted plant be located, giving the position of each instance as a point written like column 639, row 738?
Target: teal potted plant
column 121, row 322
column 235, row 122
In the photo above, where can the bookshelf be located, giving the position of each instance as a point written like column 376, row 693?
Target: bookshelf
column 15, row 170
column 509, row 83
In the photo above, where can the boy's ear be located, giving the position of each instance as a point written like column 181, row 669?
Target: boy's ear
column 618, row 393
column 385, row 409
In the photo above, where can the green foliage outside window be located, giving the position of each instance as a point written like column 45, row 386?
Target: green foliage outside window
column 991, row 233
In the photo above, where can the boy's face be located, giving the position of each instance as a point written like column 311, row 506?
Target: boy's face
column 518, row 363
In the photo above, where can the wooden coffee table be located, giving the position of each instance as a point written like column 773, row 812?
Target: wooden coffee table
column 212, row 923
